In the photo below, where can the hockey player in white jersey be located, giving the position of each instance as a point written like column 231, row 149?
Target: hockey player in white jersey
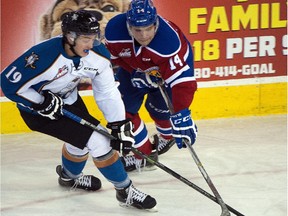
column 44, row 80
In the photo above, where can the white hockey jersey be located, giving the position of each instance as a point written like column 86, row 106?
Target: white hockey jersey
column 46, row 66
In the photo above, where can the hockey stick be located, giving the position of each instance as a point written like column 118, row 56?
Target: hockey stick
column 156, row 163
column 225, row 211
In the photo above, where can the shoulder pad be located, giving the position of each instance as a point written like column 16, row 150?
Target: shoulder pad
column 43, row 54
column 45, row 46
column 102, row 50
column 116, row 28
column 166, row 41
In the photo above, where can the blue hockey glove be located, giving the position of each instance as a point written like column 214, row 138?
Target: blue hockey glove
column 51, row 106
column 145, row 79
column 122, row 130
column 183, row 127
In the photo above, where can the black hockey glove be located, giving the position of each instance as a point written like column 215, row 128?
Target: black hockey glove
column 122, row 130
column 51, row 106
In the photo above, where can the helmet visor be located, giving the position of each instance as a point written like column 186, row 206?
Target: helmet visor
column 86, row 38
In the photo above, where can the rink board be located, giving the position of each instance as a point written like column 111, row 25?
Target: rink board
column 211, row 102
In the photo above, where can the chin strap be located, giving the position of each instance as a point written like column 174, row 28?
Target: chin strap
column 71, row 46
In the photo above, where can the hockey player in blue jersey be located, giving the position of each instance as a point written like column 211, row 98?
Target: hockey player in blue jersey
column 44, row 80
column 142, row 43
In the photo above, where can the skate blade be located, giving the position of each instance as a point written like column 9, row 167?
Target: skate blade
column 124, row 205
column 143, row 169
column 151, row 168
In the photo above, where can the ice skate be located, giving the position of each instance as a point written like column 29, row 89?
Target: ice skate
column 162, row 144
column 85, row 182
column 132, row 163
column 132, row 197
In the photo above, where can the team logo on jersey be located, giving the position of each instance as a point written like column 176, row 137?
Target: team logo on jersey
column 30, row 60
column 153, row 71
column 65, row 92
column 62, row 71
column 125, row 52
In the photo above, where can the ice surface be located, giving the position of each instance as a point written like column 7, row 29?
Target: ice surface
column 246, row 158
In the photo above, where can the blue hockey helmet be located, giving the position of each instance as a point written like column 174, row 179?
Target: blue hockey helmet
column 141, row 13
column 80, row 22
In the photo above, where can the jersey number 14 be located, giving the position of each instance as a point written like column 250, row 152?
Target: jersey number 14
column 175, row 60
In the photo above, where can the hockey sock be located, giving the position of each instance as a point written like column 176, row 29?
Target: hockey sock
column 163, row 127
column 142, row 142
column 72, row 164
column 112, row 169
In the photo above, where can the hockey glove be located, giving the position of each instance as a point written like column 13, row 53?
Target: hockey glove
column 122, row 130
column 145, row 79
column 183, row 127
column 51, row 106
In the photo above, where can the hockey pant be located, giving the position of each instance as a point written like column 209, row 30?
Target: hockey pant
column 79, row 142
column 155, row 105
